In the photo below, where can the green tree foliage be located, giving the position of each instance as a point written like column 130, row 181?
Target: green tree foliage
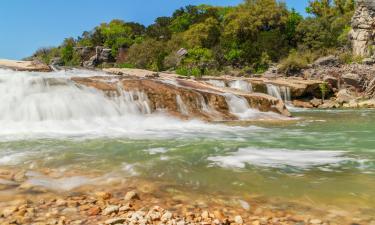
column 68, row 55
column 252, row 35
column 254, row 28
column 148, row 54
column 329, row 25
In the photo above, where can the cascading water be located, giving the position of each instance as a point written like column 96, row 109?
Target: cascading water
column 241, row 85
column 240, row 107
column 204, row 106
column 26, row 98
column 182, row 108
column 282, row 92
column 51, row 105
column 217, row 83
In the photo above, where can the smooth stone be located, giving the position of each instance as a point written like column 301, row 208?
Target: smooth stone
column 238, row 219
column 316, row 221
column 115, row 221
column 131, row 195
column 111, row 209
column 166, row 216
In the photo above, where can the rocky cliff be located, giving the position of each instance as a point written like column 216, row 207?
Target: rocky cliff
column 363, row 28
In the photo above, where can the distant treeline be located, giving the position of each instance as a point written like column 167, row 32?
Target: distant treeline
column 248, row 37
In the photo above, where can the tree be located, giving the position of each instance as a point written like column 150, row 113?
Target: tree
column 205, row 34
column 68, row 54
column 148, row 54
column 198, row 61
column 323, row 89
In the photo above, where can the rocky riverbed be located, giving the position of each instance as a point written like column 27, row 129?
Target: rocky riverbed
column 135, row 201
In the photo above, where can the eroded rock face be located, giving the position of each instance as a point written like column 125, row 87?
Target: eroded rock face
column 363, row 24
column 182, row 98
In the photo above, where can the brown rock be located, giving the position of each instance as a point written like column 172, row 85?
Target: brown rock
column 103, row 195
column 94, row 211
column 131, row 195
column 316, row 102
column 302, row 104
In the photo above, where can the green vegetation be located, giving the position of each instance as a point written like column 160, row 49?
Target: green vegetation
column 324, row 90
column 250, row 37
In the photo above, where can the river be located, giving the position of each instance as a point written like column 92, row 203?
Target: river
column 321, row 158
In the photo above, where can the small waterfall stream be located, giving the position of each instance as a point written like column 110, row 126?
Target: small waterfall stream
column 239, row 107
column 241, row 85
column 217, row 83
column 280, row 92
column 182, row 108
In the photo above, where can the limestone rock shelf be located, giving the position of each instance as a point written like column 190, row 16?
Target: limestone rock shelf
column 168, row 91
column 31, row 66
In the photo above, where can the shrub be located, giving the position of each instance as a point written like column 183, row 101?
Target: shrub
column 125, row 65
column 348, row 58
column 294, row 63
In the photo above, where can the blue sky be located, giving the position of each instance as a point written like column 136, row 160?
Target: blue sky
column 26, row 25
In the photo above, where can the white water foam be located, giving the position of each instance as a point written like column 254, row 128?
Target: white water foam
column 279, row 158
column 13, row 158
column 241, row 85
column 154, row 151
column 57, row 184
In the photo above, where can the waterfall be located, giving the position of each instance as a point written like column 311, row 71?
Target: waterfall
column 37, row 98
column 282, row 92
column 205, row 108
column 182, row 108
column 239, row 107
column 217, row 83
column 241, row 85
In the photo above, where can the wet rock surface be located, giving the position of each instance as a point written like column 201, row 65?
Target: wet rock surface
column 185, row 98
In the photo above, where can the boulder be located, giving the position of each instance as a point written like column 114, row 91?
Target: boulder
column 368, row 61
column 332, row 81
column 362, row 34
column 344, row 96
column 329, row 104
column 85, row 52
column 316, row 102
column 352, row 79
column 104, row 55
column 351, row 104
column 302, row 104
column 367, row 104
column 330, row 60
column 91, row 63
column 57, row 61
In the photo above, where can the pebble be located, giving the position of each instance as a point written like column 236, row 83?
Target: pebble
column 166, row 216
column 115, row 220
column 94, row 211
column 70, row 210
column 111, row 209
column 103, row 195
column 316, row 221
column 131, row 195
column 238, row 220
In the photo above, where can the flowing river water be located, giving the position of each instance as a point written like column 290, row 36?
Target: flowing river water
column 323, row 158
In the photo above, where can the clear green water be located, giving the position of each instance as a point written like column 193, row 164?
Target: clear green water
column 324, row 158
